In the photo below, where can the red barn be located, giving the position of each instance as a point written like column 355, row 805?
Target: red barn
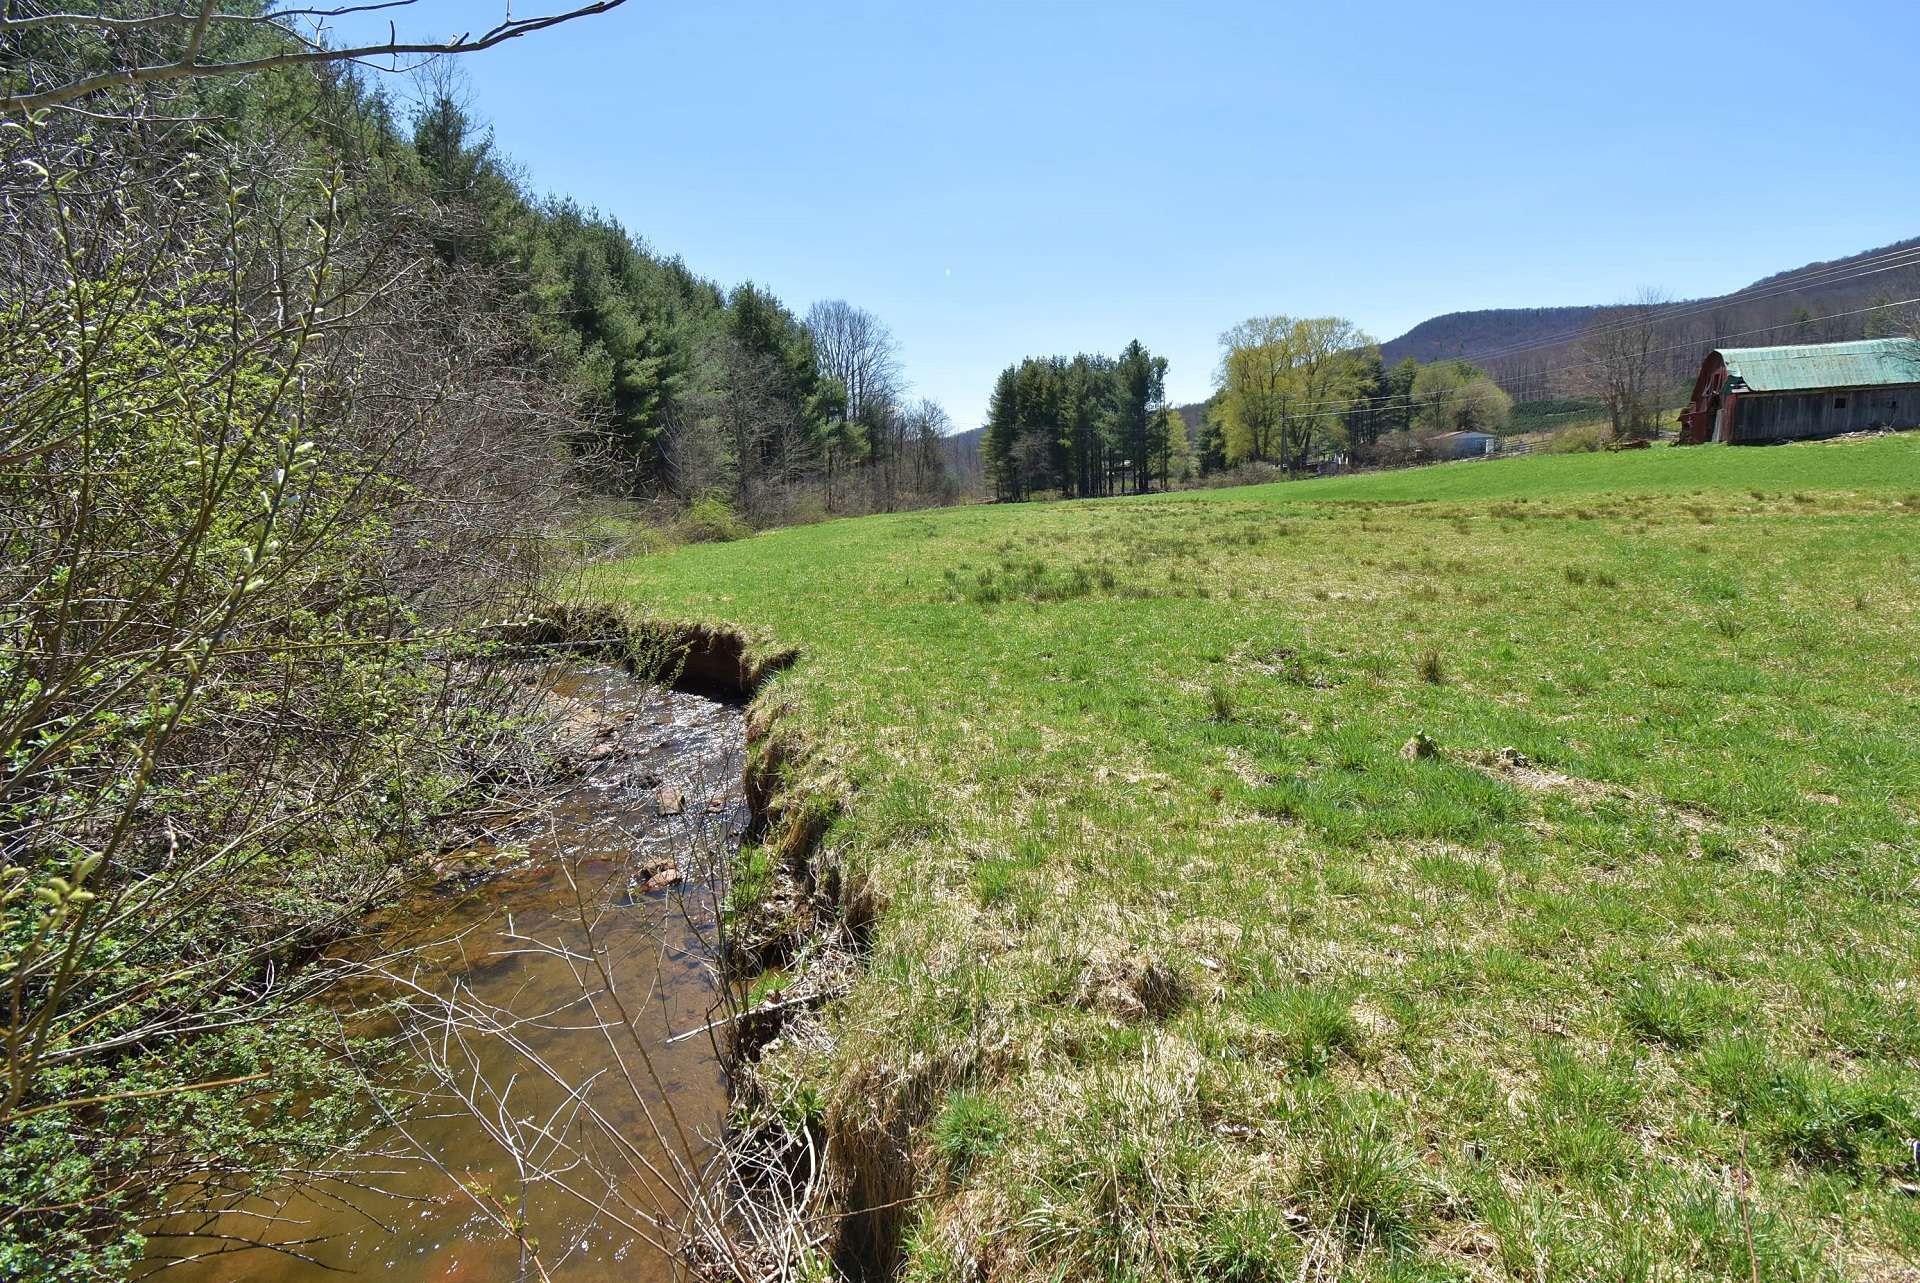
column 1754, row 395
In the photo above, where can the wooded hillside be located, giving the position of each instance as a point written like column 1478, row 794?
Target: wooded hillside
column 1529, row 350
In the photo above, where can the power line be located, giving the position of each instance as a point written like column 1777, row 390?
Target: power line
column 1662, row 318
column 1811, row 278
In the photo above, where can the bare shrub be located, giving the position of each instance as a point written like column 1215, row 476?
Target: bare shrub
column 263, row 467
column 1580, row 439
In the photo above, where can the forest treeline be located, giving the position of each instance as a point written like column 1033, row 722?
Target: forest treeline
column 1083, row 426
column 699, row 391
column 696, row 391
column 684, row 390
column 1292, row 393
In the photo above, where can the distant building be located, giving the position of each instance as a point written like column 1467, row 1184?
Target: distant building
column 1462, row 445
column 1753, row 395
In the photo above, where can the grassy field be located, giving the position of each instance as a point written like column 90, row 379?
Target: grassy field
column 1501, row 870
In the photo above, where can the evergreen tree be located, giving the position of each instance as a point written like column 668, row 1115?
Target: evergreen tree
column 1080, row 425
column 999, row 446
column 1086, row 412
column 1398, row 416
column 1373, row 394
column 1139, row 390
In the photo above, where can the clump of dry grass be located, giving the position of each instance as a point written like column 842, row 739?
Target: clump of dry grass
column 1431, row 668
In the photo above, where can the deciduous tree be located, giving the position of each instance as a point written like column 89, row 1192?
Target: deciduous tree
column 1328, row 356
column 1455, row 396
column 1283, row 384
column 1620, row 362
column 1255, row 388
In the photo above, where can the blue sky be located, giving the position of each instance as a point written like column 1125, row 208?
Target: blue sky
column 1003, row 180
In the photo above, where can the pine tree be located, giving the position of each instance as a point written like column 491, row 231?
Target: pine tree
column 1172, row 449
column 998, row 448
column 1139, row 389
column 1372, row 394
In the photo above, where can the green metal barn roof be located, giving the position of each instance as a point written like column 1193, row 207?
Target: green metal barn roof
column 1861, row 363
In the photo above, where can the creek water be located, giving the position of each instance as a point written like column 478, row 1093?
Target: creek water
column 608, row 1094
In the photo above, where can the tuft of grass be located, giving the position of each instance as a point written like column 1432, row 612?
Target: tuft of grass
column 1580, row 1115
column 1807, row 1112
column 1246, row 1244
column 1579, row 577
column 1312, row 1025
column 1431, row 668
column 994, row 881
column 1221, row 703
column 1680, row 1011
column 971, row 1129
column 1365, row 1185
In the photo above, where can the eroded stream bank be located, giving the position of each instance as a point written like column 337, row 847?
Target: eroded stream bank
column 558, row 1015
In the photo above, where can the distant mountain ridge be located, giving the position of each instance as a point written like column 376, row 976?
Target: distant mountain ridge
column 1462, row 334
column 1528, row 348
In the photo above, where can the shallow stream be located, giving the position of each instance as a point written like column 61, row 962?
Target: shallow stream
column 609, row 1094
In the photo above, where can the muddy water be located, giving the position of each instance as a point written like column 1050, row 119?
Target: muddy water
column 607, row 1096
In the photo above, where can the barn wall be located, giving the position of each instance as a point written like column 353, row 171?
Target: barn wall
column 1791, row 416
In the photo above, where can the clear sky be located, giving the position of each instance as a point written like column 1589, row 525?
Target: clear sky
column 1003, row 180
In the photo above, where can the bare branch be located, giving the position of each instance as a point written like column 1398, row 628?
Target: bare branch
column 188, row 66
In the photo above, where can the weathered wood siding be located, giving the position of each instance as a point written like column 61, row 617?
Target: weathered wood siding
column 1790, row 416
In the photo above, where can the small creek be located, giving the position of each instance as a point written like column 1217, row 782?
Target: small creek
column 663, row 797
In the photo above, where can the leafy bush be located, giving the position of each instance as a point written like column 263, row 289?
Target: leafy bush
column 710, row 519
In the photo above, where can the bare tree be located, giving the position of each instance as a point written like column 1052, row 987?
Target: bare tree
column 927, row 424
column 176, row 42
column 1620, row 362
column 855, row 347
column 755, row 445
